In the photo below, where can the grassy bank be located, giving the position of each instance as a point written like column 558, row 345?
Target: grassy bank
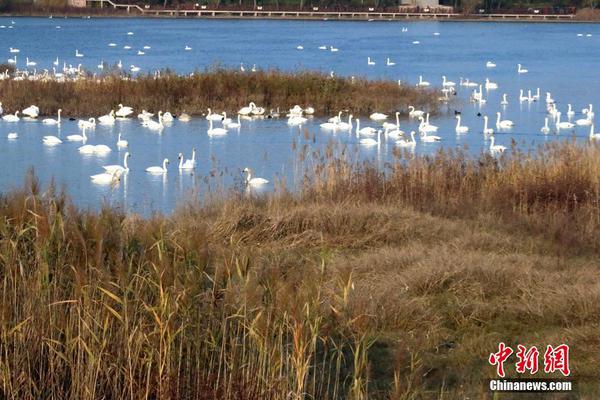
column 222, row 90
column 393, row 285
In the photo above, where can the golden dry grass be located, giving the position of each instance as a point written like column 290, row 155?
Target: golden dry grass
column 392, row 284
column 220, row 89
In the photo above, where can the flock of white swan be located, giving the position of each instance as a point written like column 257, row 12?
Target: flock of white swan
column 373, row 133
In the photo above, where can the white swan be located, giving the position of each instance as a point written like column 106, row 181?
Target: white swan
column 14, row 50
column 253, row 181
column 122, row 142
column 522, row 98
column 225, row 120
column 389, row 62
column 503, row 124
column 30, row 63
column 117, row 167
column 89, row 124
column 296, row 120
column 593, row 135
column 425, row 137
column 489, row 85
column 52, row 121
column 212, row 116
column 486, row 130
column 167, row 117
column 101, row 149
column 247, row 110
column 78, row 138
column 31, row 111
column 11, row 117
column 108, row 119
column 336, row 118
column 152, row 124
column 185, row 117
column 157, row 169
column 446, row 83
column 345, row 126
column 563, row 125
column 549, row 99
column 367, row 130
column 394, row 133
column 422, row 83
column 415, row 113
column 521, row 70
column 12, row 135
column 504, row 101
column 371, row 141
column 545, row 128
column 390, row 125
column 459, row 128
column 106, row 178
column 585, row 121
column 215, row 131
column 189, row 163
column 370, row 62
column 124, row 111
column 378, row 116
column 78, row 54
column 490, row 64
column 407, row 143
column 145, row 115
column 570, row 111
column 51, row 140
column 496, row 148
column 425, row 126
column 233, row 124
column 86, row 149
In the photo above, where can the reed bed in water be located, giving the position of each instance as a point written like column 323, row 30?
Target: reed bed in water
column 391, row 284
column 219, row 89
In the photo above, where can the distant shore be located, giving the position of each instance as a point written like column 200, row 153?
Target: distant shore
column 134, row 11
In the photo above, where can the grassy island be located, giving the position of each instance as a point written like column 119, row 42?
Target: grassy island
column 219, row 89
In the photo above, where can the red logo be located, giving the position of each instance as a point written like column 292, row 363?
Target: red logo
column 555, row 359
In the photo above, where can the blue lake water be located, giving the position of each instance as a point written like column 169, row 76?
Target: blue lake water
column 558, row 60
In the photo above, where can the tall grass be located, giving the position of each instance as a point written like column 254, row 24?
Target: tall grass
column 366, row 284
column 220, row 89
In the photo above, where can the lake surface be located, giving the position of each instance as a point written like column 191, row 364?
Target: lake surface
column 559, row 61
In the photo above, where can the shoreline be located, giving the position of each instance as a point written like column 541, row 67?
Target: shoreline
column 295, row 15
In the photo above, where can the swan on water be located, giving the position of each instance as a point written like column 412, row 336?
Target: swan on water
column 407, row 143
column 185, row 117
column 378, row 116
column 415, row 113
column 563, row 125
column 78, row 54
column 421, row 82
column 122, row 142
column 89, row 124
column 11, row 117
column 167, row 117
column 189, row 163
column 593, row 135
column 504, row 101
column 213, row 116
column 486, row 130
column 367, row 130
column 490, row 64
column 157, row 169
column 570, row 111
column 215, row 131
column 503, row 124
column 12, row 135
column 247, row 110
column 117, row 167
column 152, row 124
column 233, row 124
column 124, row 111
column 425, row 137
column 106, row 178
column 446, row 83
column 108, row 119
column 253, row 181
column 52, row 121
column 389, row 62
column 51, row 140
column 371, row 141
column 370, row 62
column 545, row 128
column 496, row 148
column 489, row 85
column 390, row 125
column 78, row 138
column 460, row 128
column 31, row 111
column 521, row 70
